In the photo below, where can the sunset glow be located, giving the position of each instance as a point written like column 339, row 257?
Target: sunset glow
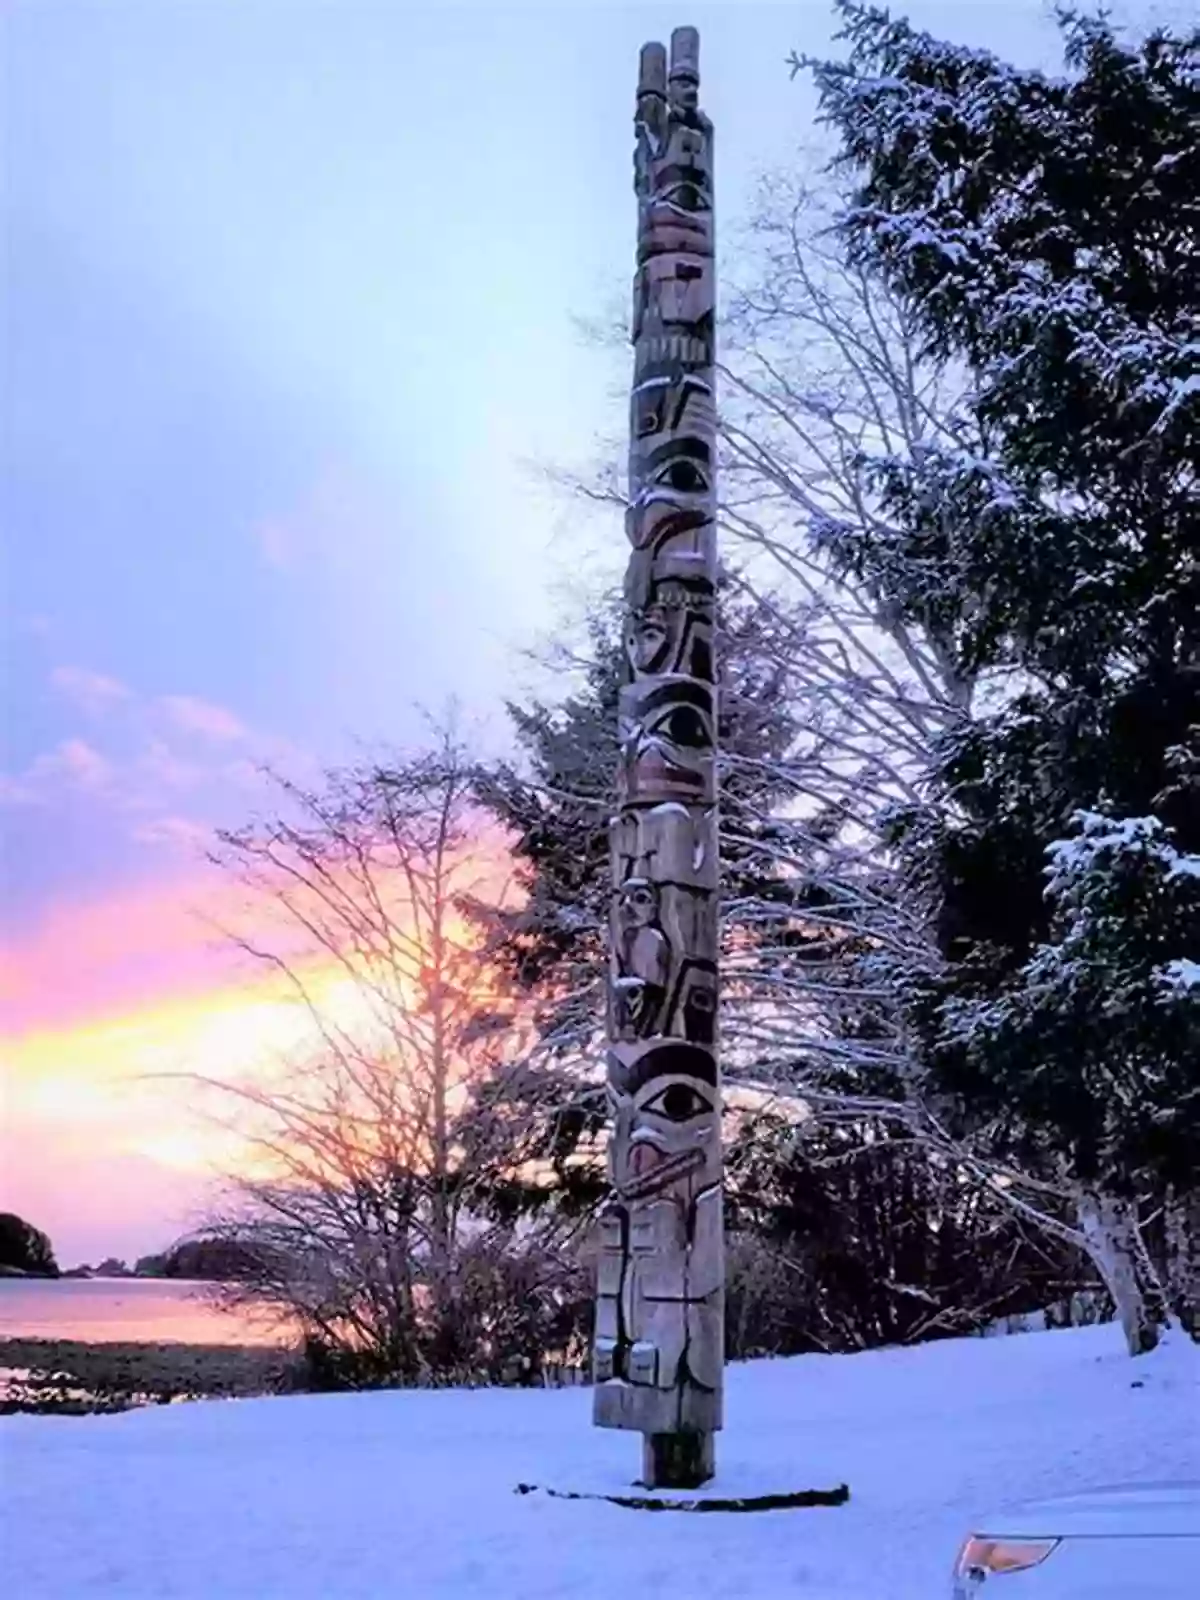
column 99, row 1093
column 112, row 1011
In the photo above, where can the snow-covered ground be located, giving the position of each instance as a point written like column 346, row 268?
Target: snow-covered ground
column 412, row 1493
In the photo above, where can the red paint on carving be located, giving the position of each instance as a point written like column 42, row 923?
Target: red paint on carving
column 643, row 1158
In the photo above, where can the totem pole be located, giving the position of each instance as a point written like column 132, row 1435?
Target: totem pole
column 659, row 1353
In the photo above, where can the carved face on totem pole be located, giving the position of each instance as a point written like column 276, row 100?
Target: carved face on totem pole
column 658, row 1347
column 669, row 522
column 666, row 731
column 641, row 959
column 663, row 976
column 658, row 1327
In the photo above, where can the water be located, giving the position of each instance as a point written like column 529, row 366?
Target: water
column 123, row 1310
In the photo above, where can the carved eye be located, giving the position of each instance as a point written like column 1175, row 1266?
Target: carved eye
column 683, row 726
column 684, row 476
column 679, row 1102
column 687, row 196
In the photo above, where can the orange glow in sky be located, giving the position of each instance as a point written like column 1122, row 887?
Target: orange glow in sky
column 104, row 1008
column 108, row 1012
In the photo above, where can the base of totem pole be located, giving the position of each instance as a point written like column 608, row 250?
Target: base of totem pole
column 677, row 1460
column 785, row 1500
column 746, row 1482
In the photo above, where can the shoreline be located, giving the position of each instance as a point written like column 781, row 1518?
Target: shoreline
column 76, row 1377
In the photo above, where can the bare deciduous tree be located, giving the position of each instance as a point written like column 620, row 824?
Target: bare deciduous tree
column 374, row 1152
column 821, row 377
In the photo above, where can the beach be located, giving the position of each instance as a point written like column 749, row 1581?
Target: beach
column 83, row 1345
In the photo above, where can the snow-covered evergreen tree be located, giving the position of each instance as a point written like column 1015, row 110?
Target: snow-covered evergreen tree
column 555, row 802
column 1046, row 232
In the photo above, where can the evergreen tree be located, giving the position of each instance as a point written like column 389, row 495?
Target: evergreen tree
column 1045, row 231
column 555, row 803
column 24, row 1248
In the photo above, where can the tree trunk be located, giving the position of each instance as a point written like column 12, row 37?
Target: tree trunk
column 1110, row 1229
column 1182, row 1233
column 445, row 1341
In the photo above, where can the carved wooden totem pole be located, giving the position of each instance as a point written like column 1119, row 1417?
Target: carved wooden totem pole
column 659, row 1316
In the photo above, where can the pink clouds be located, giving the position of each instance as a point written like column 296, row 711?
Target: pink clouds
column 107, row 1005
column 94, row 692
column 116, row 952
column 194, row 715
column 158, row 770
column 77, row 761
column 72, row 764
column 162, row 765
column 150, row 944
column 97, row 693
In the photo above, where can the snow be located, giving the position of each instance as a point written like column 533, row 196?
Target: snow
column 412, row 1493
column 1101, row 833
column 1102, row 836
column 1182, row 391
column 1182, row 974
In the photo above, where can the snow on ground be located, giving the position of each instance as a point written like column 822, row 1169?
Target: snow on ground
column 412, row 1493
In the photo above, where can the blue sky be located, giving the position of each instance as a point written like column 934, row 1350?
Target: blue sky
column 287, row 293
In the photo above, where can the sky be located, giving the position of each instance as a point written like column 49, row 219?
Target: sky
column 288, row 294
